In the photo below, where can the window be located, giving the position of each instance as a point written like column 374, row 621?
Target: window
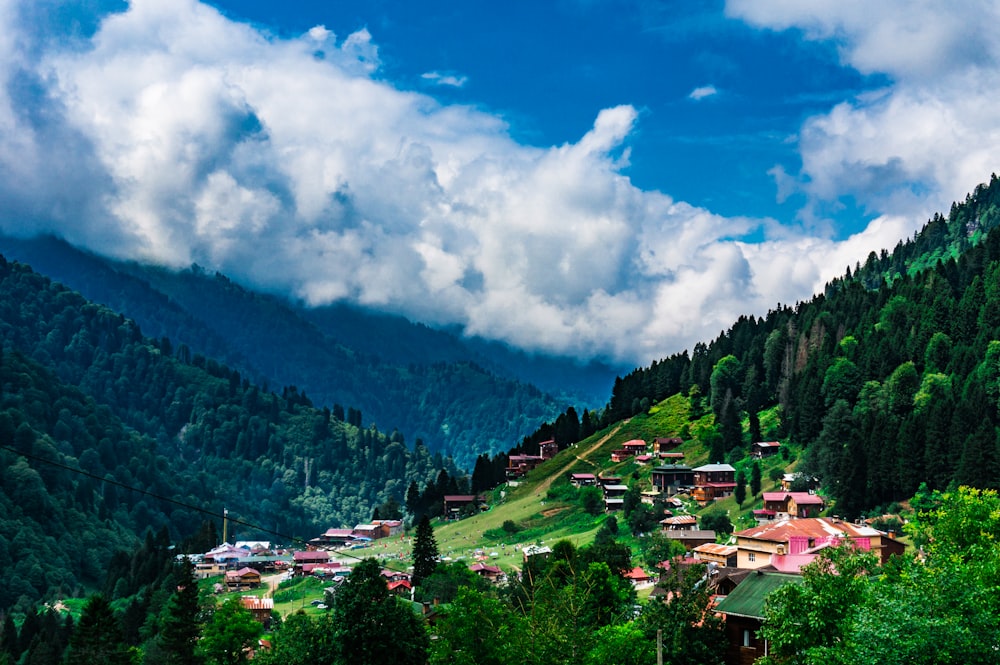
column 751, row 556
column 746, row 637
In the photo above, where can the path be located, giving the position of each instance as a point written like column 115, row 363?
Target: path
column 271, row 582
column 544, row 486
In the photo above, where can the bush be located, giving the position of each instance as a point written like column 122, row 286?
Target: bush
column 510, row 527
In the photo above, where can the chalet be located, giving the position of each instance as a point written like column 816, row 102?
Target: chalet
column 743, row 610
column 794, row 536
column 260, row 608
column 712, row 482
column 671, row 457
column 334, row 538
column 635, row 446
column 255, row 546
column 388, row 528
column 548, row 449
column 244, row 578
column 609, row 480
column 643, row 459
column 664, row 444
column 365, row 532
column 805, row 482
column 313, row 557
column 763, row 449
column 582, row 479
column 612, row 491
column 391, row 575
column 519, row 465
column 691, row 538
column 206, row 569
column 620, row 455
column 651, row 497
column 488, row 572
column 671, row 478
column 225, row 554
column 680, row 523
column 454, row 504
column 783, row 505
column 400, row 587
column 722, row 555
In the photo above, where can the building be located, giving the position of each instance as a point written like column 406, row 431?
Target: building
column 743, row 609
column 763, row 449
column 691, row 538
column 670, row 478
column 664, row 444
column 783, row 505
column 582, row 479
column 519, row 465
column 548, row 449
column 454, row 504
column 713, row 481
column 795, row 536
column 723, row 555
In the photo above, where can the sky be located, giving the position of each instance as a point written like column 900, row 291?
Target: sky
column 612, row 180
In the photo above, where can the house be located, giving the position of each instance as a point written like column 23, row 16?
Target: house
column 713, row 481
column 334, row 538
column 255, row 546
column 548, row 449
column 488, row 572
column 670, row 478
column 519, row 465
column 244, row 578
column 260, row 608
column 680, row 523
column 536, row 550
column 663, row 444
column 454, row 504
column 743, row 610
column 225, row 554
column 639, row 578
column 611, row 504
column 609, row 480
column 643, row 459
column 795, row 536
column 400, row 587
column 635, row 446
column 620, row 455
column 782, row 505
column 691, row 538
column 611, row 491
column 388, row 528
column 671, row 457
column 791, row 479
column 723, row 555
column 208, row 569
column 582, row 479
column 763, row 449
column 303, row 558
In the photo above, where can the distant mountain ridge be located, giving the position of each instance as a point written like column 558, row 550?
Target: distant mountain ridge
column 461, row 397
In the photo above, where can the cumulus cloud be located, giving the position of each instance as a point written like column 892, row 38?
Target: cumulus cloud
column 925, row 139
column 176, row 135
column 702, row 92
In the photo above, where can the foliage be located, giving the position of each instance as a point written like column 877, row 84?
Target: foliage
column 692, row 633
column 229, row 634
column 98, row 637
column 716, row 520
column 425, row 552
column 300, row 640
column 475, row 629
column 446, row 581
column 372, row 626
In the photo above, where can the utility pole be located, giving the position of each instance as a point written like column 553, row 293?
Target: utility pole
column 659, row 646
column 225, row 525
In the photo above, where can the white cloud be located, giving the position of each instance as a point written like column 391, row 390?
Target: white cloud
column 182, row 136
column 450, row 80
column 924, row 140
column 702, row 92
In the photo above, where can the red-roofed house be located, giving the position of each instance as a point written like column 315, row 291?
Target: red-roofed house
column 454, row 503
column 795, row 536
column 486, row 571
column 638, row 577
column 713, row 481
column 260, row 608
column 400, row 587
column 519, row 465
column 548, row 449
column 244, row 578
column 680, row 523
column 664, row 444
column 792, row 504
column 582, row 479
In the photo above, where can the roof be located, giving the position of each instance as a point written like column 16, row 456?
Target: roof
column 812, row 527
column 311, row 555
column 768, row 444
column 800, row 498
column 637, row 573
column 716, row 549
column 680, row 519
column 457, row 498
column 690, row 534
column 242, row 572
column 616, row 488
column 716, row 467
column 254, row 603
column 747, row 599
column 337, row 533
column 583, row 476
column 485, row 568
column 667, row 468
column 634, row 443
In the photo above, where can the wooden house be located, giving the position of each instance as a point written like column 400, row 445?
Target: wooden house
column 743, row 610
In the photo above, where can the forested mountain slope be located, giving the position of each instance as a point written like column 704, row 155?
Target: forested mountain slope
column 891, row 378
column 461, row 397
column 85, row 398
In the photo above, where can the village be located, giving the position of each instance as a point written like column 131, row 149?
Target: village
column 740, row 568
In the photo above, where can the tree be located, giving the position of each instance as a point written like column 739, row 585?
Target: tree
column 181, row 628
column 372, row 626
column 447, row 579
column 692, row 633
column 776, row 474
column 716, row 520
column 425, row 551
column 98, row 637
column 741, row 487
column 755, row 478
column 230, row 632
column 477, row 630
column 300, row 640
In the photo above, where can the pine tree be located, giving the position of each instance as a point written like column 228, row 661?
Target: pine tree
column 98, row 637
column 425, row 551
column 741, row 487
column 755, row 478
column 181, row 630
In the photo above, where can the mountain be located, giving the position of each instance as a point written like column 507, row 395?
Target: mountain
column 106, row 433
column 460, row 396
column 890, row 379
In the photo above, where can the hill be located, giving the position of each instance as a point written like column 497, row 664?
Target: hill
column 461, row 397
column 105, row 434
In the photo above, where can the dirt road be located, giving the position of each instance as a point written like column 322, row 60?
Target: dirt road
column 544, row 486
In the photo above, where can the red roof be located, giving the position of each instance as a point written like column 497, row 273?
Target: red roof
column 310, row 556
column 401, row 583
column 637, row 574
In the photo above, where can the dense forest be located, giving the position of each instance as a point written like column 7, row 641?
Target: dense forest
column 890, row 378
column 106, row 434
column 460, row 396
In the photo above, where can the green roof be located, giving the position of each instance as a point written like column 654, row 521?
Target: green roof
column 747, row 600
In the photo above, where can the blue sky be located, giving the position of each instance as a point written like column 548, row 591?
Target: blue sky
column 601, row 179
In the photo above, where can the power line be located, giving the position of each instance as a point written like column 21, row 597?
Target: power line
column 176, row 502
